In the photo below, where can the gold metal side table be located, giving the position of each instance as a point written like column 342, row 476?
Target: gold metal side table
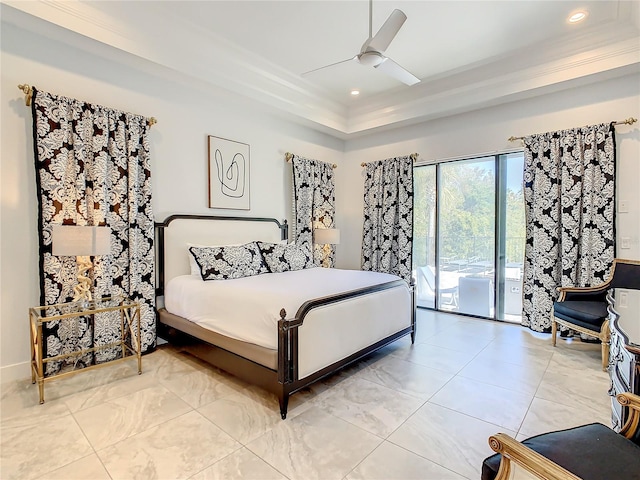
column 126, row 347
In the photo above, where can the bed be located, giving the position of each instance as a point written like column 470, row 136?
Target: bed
column 280, row 331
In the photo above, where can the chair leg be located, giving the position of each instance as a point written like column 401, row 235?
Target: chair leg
column 605, row 355
column 554, row 331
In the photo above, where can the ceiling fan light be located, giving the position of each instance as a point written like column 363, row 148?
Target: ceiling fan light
column 370, row 59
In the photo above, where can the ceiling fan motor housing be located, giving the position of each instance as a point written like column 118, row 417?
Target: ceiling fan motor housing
column 370, row 59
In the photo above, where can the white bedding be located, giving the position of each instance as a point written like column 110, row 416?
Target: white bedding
column 248, row 308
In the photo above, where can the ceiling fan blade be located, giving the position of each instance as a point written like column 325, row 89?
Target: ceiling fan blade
column 330, row 65
column 394, row 70
column 389, row 29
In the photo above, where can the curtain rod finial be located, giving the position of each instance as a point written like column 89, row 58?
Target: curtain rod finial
column 288, row 156
column 28, row 93
column 152, row 121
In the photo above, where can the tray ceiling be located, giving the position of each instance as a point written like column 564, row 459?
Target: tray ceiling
column 468, row 54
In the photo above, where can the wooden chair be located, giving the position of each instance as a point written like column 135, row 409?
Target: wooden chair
column 584, row 309
column 588, row 452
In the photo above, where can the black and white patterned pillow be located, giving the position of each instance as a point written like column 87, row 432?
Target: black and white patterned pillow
column 193, row 265
column 285, row 257
column 235, row 261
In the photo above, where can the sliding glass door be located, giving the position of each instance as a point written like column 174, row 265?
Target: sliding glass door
column 466, row 233
column 511, row 236
column 469, row 236
column 424, row 235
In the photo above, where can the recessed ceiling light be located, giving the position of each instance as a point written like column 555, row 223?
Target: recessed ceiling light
column 355, row 92
column 578, row 16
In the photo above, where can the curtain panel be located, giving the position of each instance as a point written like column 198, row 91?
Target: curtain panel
column 315, row 199
column 93, row 168
column 569, row 190
column 387, row 240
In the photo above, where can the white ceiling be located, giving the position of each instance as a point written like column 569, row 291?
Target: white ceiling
column 468, row 54
column 438, row 37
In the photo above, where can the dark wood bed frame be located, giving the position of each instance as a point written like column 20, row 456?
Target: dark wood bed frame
column 284, row 381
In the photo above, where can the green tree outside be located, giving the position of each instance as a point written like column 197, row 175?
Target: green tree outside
column 467, row 214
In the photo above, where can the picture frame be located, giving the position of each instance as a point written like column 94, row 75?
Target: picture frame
column 229, row 172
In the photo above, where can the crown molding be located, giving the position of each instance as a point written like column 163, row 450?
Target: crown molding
column 136, row 32
column 493, row 85
column 195, row 53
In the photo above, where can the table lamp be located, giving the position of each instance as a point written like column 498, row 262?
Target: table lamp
column 326, row 237
column 81, row 242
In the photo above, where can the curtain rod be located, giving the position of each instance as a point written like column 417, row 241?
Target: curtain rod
column 28, row 95
column 628, row 121
column 289, row 156
column 413, row 156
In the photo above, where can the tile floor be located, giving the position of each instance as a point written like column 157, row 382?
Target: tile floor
column 408, row 412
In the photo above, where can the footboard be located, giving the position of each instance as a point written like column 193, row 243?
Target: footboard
column 328, row 333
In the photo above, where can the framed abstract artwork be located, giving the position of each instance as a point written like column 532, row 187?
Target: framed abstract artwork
column 229, row 169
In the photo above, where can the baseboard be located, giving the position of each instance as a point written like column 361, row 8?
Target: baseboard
column 17, row 371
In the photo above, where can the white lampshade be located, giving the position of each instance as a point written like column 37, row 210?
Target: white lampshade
column 326, row 236
column 78, row 241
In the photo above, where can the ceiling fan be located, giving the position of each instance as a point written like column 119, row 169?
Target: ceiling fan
column 372, row 51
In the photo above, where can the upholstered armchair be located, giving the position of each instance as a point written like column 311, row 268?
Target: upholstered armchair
column 588, row 452
column 584, row 309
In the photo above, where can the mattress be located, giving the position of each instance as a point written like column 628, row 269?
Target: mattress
column 247, row 309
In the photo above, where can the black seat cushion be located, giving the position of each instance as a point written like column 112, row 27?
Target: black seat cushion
column 592, row 452
column 584, row 313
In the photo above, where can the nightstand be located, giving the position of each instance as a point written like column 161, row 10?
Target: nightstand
column 104, row 309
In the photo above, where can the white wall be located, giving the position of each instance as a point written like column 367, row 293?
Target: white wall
column 178, row 147
column 179, row 152
column 487, row 131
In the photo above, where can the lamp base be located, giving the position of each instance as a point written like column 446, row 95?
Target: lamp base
column 326, row 253
column 82, row 290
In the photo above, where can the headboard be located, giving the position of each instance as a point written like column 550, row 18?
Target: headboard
column 176, row 231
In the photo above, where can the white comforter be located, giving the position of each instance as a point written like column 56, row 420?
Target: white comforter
column 248, row 308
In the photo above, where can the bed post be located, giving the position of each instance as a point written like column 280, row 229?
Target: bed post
column 159, row 246
column 284, row 363
column 283, row 399
column 283, row 349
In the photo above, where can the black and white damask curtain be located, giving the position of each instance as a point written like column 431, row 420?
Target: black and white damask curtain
column 569, row 180
column 93, row 168
column 387, row 240
column 314, row 203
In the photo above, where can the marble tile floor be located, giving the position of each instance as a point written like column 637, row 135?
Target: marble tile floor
column 421, row 411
